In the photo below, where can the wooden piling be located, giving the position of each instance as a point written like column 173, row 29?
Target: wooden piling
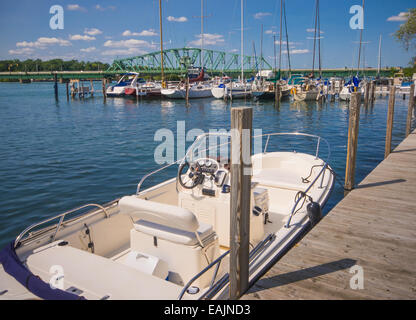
column 277, row 95
column 366, row 93
column 103, row 83
column 231, row 91
column 67, row 90
column 241, row 135
column 410, row 109
column 55, row 79
column 354, row 120
column 390, row 118
column 187, row 90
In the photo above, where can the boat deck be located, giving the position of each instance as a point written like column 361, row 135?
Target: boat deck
column 373, row 227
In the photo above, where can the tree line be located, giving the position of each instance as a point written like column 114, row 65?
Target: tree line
column 38, row 65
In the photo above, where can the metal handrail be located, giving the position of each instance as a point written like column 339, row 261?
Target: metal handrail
column 217, row 262
column 61, row 220
column 325, row 166
column 180, row 161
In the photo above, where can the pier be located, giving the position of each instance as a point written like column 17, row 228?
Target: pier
column 373, row 229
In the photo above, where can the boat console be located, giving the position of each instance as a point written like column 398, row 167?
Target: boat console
column 204, row 189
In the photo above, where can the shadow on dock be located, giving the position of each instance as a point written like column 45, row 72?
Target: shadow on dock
column 376, row 184
column 304, row 274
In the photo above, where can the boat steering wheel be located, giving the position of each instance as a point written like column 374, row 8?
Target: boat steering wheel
column 191, row 174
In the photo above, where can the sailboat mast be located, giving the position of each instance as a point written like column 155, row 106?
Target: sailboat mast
column 161, row 45
column 379, row 57
column 287, row 38
column 202, row 34
column 261, row 51
column 242, row 40
column 280, row 40
column 359, row 50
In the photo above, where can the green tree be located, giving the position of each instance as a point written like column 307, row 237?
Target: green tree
column 407, row 31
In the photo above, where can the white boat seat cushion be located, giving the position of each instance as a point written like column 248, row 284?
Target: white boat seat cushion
column 173, row 234
column 280, row 178
column 159, row 213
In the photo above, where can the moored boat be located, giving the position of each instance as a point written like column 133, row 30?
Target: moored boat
column 170, row 241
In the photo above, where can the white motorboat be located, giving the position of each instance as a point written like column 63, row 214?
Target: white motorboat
column 306, row 91
column 197, row 90
column 232, row 90
column 118, row 90
column 170, row 241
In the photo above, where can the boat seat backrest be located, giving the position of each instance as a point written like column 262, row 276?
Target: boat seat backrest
column 159, row 213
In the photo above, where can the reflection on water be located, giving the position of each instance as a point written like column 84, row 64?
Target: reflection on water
column 56, row 156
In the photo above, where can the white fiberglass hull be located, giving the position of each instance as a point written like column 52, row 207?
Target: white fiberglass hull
column 134, row 247
column 194, row 93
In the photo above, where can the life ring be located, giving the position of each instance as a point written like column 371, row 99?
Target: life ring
column 293, row 91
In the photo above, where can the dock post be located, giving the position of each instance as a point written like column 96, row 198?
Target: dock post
column 103, row 83
column 92, row 88
column 67, row 90
column 231, row 91
column 187, row 90
column 241, row 135
column 354, row 120
column 55, row 85
column 277, row 95
column 410, row 109
column 390, row 117
column 366, row 94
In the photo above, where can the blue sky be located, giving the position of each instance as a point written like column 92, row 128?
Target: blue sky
column 105, row 30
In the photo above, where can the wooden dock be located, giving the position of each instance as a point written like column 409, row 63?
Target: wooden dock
column 373, row 227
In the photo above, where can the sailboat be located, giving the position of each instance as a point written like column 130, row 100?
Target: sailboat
column 264, row 87
column 171, row 240
column 198, row 88
column 308, row 89
column 355, row 84
column 239, row 89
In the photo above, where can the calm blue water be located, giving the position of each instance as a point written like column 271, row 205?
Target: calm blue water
column 56, row 156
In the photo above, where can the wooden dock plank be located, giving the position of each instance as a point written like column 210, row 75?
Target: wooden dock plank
column 374, row 227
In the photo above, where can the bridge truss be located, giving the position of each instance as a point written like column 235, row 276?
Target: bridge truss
column 177, row 61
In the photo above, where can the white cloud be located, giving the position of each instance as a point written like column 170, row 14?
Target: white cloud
column 209, row 39
column 234, row 50
column 402, row 16
column 179, row 19
column 284, row 43
column 90, row 49
column 92, row 31
column 297, row 51
column 130, row 43
column 270, row 32
column 81, row 37
column 42, row 42
column 75, row 7
column 261, row 15
column 23, row 51
column 144, row 33
column 313, row 30
column 100, row 8
column 124, row 52
column 148, row 33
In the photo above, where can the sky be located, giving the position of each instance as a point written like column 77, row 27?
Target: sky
column 106, row 30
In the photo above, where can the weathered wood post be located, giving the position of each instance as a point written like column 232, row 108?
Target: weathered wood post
column 187, row 90
column 354, row 121
column 92, row 88
column 67, row 90
column 103, row 83
column 55, row 86
column 277, row 95
column 241, row 135
column 390, row 117
column 410, row 109
column 231, row 91
column 366, row 94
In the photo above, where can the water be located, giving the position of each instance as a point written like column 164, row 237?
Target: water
column 57, row 156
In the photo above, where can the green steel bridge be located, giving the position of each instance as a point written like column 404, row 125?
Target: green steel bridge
column 177, row 62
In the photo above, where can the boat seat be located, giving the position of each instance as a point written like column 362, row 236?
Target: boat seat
column 174, row 235
column 98, row 277
column 280, row 178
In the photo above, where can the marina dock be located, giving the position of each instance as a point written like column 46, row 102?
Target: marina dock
column 373, row 227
